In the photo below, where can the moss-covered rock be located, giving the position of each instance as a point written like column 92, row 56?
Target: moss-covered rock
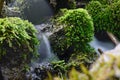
column 18, row 39
column 105, row 18
column 78, row 28
column 94, row 8
column 76, row 32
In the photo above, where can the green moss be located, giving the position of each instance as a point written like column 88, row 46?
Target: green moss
column 105, row 18
column 78, row 28
column 113, row 14
column 106, row 2
column 72, row 42
column 82, row 58
column 107, row 64
column 94, row 9
column 59, row 66
column 17, row 38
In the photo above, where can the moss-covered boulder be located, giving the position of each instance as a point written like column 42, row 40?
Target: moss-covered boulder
column 94, row 8
column 78, row 28
column 77, row 32
column 105, row 18
column 17, row 41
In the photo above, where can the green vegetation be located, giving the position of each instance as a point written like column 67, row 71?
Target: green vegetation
column 78, row 28
column 17, row 37
column 94, row 9
column 106, row 2
column 107, row 64
column 73, row 40
column 60, row 66
column 105, row 18
column 82, row 58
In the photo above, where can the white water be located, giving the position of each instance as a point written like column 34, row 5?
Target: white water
column 44, row 49
column 104, row 46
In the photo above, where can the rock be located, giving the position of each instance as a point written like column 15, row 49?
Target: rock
column 102, row 36
column 11, row 11
column 39, row 72
column 1, row 75
column 13, row 74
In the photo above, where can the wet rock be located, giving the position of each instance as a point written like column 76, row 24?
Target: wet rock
column 1, row 75
column 11, row 11
column 39, row 71
column 13, row 73
column 102, row 36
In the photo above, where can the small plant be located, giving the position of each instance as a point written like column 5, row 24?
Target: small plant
column 59, row 66
column 17, row 38
column 82, row 58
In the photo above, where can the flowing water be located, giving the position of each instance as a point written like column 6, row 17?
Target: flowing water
column 104, row 46
column 44, row 50
column 36, row 11
column 43, row 63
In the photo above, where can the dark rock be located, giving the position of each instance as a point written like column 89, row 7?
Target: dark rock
column 57, row 39
column 39, row 72
column 1, row 76
column 102, row 36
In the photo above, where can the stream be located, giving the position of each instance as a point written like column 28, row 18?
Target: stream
column 103, row 45
column 38, row 12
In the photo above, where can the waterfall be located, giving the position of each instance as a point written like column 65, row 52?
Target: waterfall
column 43, row 63
column 44, row 49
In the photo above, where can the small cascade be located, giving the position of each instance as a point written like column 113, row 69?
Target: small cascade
column 45, row 50
column 39, row 68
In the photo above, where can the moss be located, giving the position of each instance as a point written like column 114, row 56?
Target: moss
column 107, row 64
column 78, row 28
column 17, row 38
column 106, row 2
column 105, row 18
column 77, row 59
column 59, row 66
column 73, row 39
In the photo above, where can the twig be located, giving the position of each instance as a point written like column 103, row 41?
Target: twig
column 113, row 38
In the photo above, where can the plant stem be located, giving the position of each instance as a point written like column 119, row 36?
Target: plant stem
column 1, row 6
